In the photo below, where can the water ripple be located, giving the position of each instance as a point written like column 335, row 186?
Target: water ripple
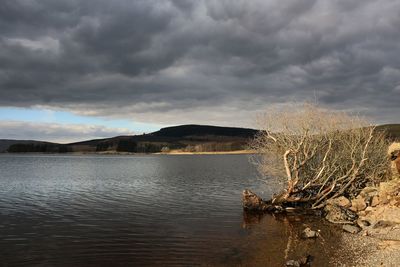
column 106, row 210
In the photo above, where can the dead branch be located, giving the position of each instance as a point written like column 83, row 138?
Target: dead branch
column 330, row 153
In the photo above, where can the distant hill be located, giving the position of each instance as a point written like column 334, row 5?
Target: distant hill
column 190, row 138
column 186, row 138
column 392, row 130
column 204, row 130
column 6, row 143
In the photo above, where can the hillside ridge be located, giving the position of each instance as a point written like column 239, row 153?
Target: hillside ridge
column 189, row 138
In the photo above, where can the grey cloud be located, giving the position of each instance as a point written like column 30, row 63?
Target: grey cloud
column 176, row 61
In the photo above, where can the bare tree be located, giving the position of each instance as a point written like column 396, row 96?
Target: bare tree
column 319, row 153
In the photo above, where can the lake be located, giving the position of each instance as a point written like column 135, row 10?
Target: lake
column 147, row 210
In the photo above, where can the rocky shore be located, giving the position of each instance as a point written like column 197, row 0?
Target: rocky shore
column 371, row 222
column 377, row 223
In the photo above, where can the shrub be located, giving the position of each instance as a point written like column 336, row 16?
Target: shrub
column 319, row 153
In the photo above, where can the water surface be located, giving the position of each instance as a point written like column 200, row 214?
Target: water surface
column 156, row 210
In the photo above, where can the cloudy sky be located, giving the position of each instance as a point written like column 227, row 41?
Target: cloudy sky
column 76, row 69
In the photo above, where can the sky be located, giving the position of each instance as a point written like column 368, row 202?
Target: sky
column 80, row 69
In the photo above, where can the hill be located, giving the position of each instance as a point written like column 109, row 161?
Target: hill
column 204, row 130
column 6, row 143
column 185, row 138
column 392, row 130
column 189, row 138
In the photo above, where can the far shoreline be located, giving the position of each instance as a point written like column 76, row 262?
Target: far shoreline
column 235, row 152
column 177, row 153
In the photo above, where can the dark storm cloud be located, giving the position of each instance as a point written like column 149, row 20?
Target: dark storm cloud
column 199, row 61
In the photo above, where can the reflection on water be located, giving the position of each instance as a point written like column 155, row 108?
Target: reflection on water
column 274, row 239
column 58, row 210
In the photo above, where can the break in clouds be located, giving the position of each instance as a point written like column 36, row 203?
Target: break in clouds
column 203, row 61
column 55, row 132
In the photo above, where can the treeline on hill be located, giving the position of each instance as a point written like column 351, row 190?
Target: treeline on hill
column 41, row 148
column 122, row 146
column 188, row 138
column 129, row 146
column 133, row 146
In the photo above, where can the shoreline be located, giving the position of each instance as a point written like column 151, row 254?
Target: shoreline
column 236, row 152
column 373, row 251
column 370, row 222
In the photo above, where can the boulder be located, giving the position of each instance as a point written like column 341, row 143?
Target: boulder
column 363, row 223
column 388, row 189
column 358, row 204
column 302, row 262
column 292, row 263
column 340, row 201
column 362, row 213
column 337, row 214
column 383, row 213
column 391, row 214
column 393, row 153
column 383, row 224
column 351, row 229
column 393, row 147
column 308, row 233
column 396, row 162
column 368, row 191
column 367, row 210
column 375, row 201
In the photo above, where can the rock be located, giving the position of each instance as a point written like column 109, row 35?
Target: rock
column 387, row 189
column 340, row 201
column 397, row 201
column 363, row 223
column 308, row 233
column 362, row 213
column 293, row 263
column 393, row 153
column 275, row 208
column 252, row 202
column 368, row 191
column 393, row 147
column 396, row 161
column 336, row 214
column 351, row 229
column 383, row 216
column 358, row 204
column 368, row 209
column 375, row 201
column 383, row 224
column 302, row 262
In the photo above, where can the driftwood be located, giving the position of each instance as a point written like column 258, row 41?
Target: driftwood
column 253, row 203
column 296, row 202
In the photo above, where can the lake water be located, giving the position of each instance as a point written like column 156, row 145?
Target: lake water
column 155, row 210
